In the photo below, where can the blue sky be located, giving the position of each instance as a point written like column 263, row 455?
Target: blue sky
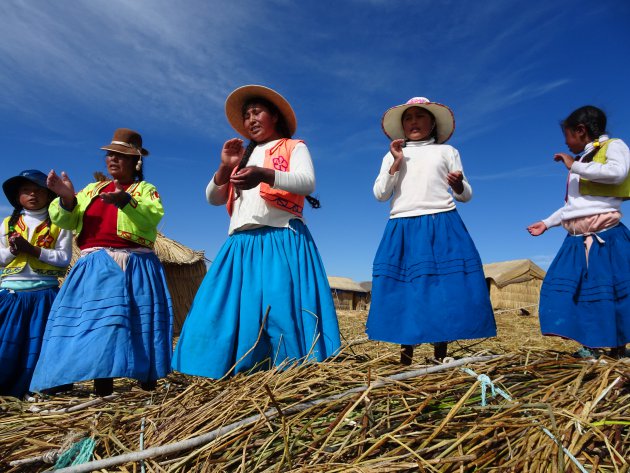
column 73, row 71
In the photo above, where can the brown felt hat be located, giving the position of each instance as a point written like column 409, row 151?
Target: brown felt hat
column 126, row 141
column 239, row 97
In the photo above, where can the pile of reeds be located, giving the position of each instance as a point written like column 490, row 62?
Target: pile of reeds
column 354, row 413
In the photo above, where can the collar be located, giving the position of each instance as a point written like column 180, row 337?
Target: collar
column 430, row 141
column 40, row 214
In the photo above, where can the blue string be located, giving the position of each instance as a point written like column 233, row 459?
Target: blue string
column 485, row 382
column 78, row 453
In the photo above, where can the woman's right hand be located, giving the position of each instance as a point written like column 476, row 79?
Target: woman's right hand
column 232, row 152
column 396, row 148
column 537, row 228
column 62, row 186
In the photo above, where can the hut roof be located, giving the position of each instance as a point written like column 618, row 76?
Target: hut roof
column 367, row 285
column 344, row 284
column 510, row 272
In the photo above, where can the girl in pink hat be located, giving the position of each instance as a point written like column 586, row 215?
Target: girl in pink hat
column 428, row 284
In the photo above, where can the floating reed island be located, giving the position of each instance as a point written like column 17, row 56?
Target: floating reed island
column 529, row 409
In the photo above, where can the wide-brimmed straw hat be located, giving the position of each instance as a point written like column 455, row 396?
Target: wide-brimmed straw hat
column 12, row 185
column 239, row 97
column 126, row 141
column 444, row 119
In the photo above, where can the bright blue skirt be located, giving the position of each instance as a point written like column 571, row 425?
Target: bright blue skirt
column 589, row 303
column 23, row 316
column 108, row 323
column 225, row 331
column 428, row 283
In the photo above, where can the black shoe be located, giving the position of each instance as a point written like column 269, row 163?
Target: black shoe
column 439, row 350
column 103, row 386
column 148, row 385
column 406, row 354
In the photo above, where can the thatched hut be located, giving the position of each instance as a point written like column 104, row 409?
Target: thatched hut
column 514, row 285
column 348, row 294
column 184, row 269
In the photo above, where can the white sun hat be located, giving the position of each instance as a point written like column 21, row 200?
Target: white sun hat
column 444, row 119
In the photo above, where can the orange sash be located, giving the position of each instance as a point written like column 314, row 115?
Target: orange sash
column 278, row 157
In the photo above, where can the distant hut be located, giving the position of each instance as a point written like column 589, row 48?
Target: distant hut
column 367, row 285
column 514, row 285
column 184, row 269
column 348, row 294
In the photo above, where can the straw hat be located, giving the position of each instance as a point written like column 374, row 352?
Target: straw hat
column 12, row 185
column 126, row 141
column 444, row 119
column 235, row 101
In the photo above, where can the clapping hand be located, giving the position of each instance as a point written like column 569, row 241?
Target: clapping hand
column 62, row 186
column 119, row 197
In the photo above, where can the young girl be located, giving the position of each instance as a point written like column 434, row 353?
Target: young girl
column 586, row 293
column 269, row 262
column 34, row 253
column 113, row 315
column 428, row 284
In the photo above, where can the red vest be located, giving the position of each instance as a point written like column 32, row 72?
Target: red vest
column 278, row 157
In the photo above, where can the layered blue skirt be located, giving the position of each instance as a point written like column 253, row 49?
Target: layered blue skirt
column 23, row 316
column 589, row 303
column 108, row 323
column 428, row 283
column 226, row 331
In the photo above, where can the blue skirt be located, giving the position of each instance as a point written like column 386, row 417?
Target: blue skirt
column 589, row 303
column 428, row 283
column 225, row 331
column 108, row 323
column 23, row 316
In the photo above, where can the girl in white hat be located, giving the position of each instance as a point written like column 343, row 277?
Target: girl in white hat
column 265, row 300
column 428, row 284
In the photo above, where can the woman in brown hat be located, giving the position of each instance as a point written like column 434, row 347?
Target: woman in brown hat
column 266, row 298
column 113, row 315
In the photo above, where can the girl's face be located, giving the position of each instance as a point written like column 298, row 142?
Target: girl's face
column 121, row 167
column 576, row 138
column 260, row 123
column 417, row 124
column 33, row 197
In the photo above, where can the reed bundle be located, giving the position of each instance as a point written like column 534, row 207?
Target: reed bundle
column 361, row 411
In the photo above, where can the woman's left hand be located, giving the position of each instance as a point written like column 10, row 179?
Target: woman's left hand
column 119, row 197
column 455, row 180
column 251, row 176
column 565, row 158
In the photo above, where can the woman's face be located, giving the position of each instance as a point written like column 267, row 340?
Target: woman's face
column 121, row 167
column 33, row 197
column 417, row 124
column 260, row 123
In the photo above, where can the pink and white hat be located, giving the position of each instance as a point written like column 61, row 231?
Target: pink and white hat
column 444, row 119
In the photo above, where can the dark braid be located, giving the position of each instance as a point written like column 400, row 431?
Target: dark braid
column 15, row 216
column 283, row 130
column 593, row 119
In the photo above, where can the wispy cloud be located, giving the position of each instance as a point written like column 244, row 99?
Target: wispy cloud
column 519, row 173
column 544, row 261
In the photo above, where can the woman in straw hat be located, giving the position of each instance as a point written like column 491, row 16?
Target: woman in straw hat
column 113, row 315
column 266, row 298
column 428, row 284
column 33, row 254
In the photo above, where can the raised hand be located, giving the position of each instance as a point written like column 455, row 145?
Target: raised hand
column 62, row 186
column 537, row 228
column 232, row 152
column 455, row 179
column 565, row 158
column 119, row 197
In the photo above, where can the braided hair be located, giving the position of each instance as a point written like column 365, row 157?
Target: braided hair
column 593, row 119
column 283, row 130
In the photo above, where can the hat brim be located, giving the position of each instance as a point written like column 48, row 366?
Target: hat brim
column 444, row 120
column 12, row 185
column 235, row 101
column 125, row 150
